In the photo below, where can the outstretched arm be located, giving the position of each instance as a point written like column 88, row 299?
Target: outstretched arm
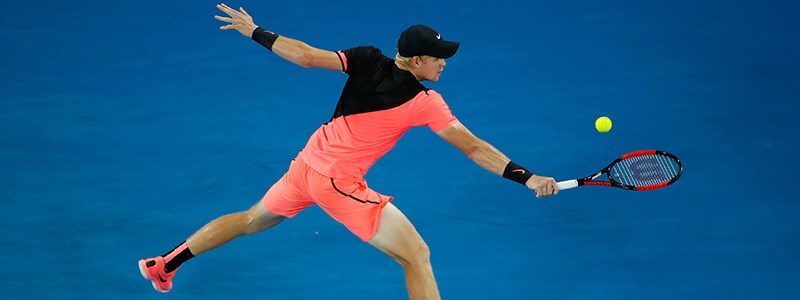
column 491, row 159
column 295, row 51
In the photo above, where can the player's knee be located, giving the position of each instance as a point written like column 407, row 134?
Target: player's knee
column 418, row 256
column 423, row 255
column 250, row 220
column 257, row 221
column 252, row 223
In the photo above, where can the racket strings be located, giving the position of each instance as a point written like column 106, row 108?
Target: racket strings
column 645, row 170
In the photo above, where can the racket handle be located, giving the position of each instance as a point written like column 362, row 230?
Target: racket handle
column 567, row 184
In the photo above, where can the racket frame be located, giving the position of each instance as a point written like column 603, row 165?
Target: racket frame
column 590, row 180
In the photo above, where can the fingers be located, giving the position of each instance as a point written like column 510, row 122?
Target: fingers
column 232, row 12
column 547, row 187
column 238, row 19
column 226, row 9
column 224, row 19
column 235, row 18
column 553, row 185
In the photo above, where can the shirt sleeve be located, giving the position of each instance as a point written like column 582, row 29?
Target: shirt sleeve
column 434, row 112
column 356, row 59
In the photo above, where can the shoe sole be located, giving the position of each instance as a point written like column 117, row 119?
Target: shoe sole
column 144, row 275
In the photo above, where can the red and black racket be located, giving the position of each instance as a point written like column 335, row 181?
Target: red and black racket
column 639, row 171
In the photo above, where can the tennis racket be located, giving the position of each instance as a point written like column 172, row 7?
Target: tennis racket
column 638, row 171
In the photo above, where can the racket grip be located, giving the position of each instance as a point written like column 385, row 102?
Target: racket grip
column 567, row 184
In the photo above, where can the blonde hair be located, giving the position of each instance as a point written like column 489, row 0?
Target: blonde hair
column 405, row 62
column 402, row 62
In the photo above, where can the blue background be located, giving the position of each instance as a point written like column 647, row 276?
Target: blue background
column 125, row 126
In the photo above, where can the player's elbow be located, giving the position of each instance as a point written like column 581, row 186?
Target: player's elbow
column 305, row 59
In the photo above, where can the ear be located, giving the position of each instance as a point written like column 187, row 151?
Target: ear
column 416, row 61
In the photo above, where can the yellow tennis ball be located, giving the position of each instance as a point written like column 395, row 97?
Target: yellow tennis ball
column 602, row 124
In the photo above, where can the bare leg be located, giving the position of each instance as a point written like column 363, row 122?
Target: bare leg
column 398, row 238
column 228, row 227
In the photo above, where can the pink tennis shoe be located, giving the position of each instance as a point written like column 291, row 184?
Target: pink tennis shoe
column 153, row 269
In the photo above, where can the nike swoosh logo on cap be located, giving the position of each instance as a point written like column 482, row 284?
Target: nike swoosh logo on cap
column 438, row 36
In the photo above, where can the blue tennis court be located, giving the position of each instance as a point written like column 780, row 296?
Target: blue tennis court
column 128, row 125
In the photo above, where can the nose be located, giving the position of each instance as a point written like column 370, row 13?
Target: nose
column 444, row 63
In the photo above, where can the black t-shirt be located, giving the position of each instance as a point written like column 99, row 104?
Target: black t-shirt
column 375, row 82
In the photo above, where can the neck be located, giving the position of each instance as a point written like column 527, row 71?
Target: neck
column 404, row 68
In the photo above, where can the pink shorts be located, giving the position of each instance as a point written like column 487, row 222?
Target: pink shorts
column 348, row 200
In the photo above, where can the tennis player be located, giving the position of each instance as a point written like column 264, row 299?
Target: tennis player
column 382, row 99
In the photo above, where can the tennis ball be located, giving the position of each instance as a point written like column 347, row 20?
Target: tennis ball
column 602, row 124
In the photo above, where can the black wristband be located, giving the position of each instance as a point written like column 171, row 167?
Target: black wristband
column 516, row 173
column 264, row 37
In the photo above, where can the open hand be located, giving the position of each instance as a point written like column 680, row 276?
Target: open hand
column 239, row 20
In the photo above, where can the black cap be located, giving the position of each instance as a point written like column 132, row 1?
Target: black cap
column 422, row 40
